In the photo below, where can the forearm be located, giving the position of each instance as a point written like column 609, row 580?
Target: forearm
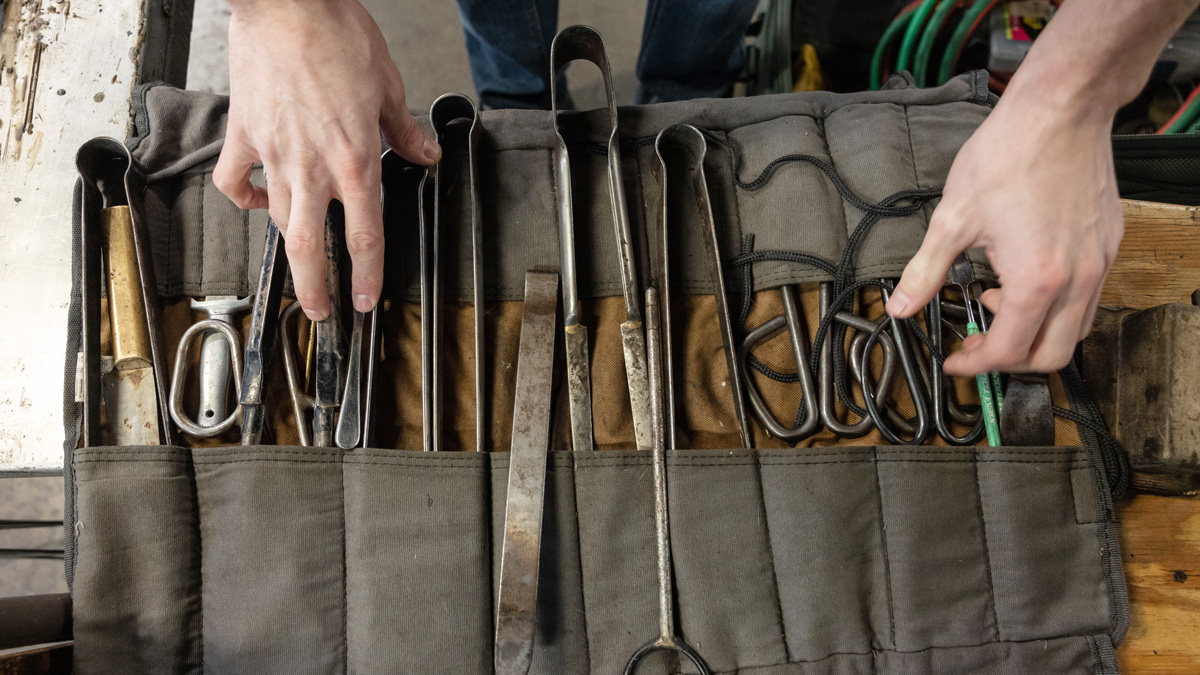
column 1095, row 55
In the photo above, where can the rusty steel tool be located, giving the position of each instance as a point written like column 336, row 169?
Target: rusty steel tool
column 516, row 613
column 130, row 395
column 963, row 276
column 579, row 378
column 667, row 639
column 220, row 353
column 328, row 360
column 583, row 42
column 685, row 144
column 260, row 342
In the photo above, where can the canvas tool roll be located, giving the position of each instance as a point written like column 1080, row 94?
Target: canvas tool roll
column 839, row 558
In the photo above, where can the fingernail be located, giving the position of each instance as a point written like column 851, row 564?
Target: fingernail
column 432, row 151
column 313, row 315
column 898, row 303
column 363, row 303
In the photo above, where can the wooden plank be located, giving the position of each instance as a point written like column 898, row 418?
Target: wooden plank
column 66, row 74
column 1159, row 258
column 1160, row 547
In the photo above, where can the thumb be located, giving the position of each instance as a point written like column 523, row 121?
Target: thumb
column 404, row 135
column 925, row 274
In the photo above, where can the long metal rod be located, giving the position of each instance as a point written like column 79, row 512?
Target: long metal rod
column 329, row 362
column 349, row 425
column 260, row 342
column 583, row 42
column 575, row 333
column 667, row 639
column 690, row 143
column 516, row 613
column 431, row 432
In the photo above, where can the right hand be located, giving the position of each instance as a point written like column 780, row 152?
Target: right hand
column 311, row 88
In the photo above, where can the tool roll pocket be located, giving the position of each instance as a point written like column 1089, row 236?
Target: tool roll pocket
column 786, row 560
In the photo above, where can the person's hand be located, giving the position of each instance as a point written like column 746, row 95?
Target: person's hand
column 1035, row 186
column 311, row 88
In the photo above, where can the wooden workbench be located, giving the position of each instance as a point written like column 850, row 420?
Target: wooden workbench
column 1159, row 262
column 66, row 74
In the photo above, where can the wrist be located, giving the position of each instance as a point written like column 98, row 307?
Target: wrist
column 1061, row 94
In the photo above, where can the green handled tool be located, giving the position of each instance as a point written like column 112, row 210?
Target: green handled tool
column 963, row 276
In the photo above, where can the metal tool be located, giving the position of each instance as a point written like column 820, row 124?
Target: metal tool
column 302, row 402
column 579, row 379
column 825, row 374
column 667, row 639
column 912, row 377
column 431, row 318
column 940, row 399
column 260, row 342
column 220, row 353
column 328, row 360
column 963, row 276
column 583, row 42
column 685, row 144
column 516, row 613
column 445, row 114
column 112, row 179
column 349, row 426
column 792, row 320
column 130, row 395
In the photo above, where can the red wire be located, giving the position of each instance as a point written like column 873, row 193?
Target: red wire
column 1186, row 103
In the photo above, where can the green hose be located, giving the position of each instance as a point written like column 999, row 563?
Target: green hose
column 925, row 47
column 911, row 34
column 958, row 39
column 898, row 24
column 1193, row 115
column 1188, row 122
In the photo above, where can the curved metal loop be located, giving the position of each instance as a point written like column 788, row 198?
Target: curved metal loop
column 825, row 375
column 233, row 341
column 302, row 403
column 792, row 320
column 883, row 394
column 911, row 377
column 667, row 644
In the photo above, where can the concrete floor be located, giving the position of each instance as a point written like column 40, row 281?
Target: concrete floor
column 425, row 40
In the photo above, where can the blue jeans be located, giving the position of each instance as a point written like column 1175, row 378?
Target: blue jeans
column 690, row 49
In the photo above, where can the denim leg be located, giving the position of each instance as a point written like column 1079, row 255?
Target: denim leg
column 692, row 48
column 508, row 42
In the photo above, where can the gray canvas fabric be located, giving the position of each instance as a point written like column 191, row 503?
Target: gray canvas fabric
column 278, row 559
column 833, row 561
column 880, row 143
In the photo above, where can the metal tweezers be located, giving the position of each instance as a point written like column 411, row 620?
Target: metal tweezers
column 681, row 148
column 583, row 42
